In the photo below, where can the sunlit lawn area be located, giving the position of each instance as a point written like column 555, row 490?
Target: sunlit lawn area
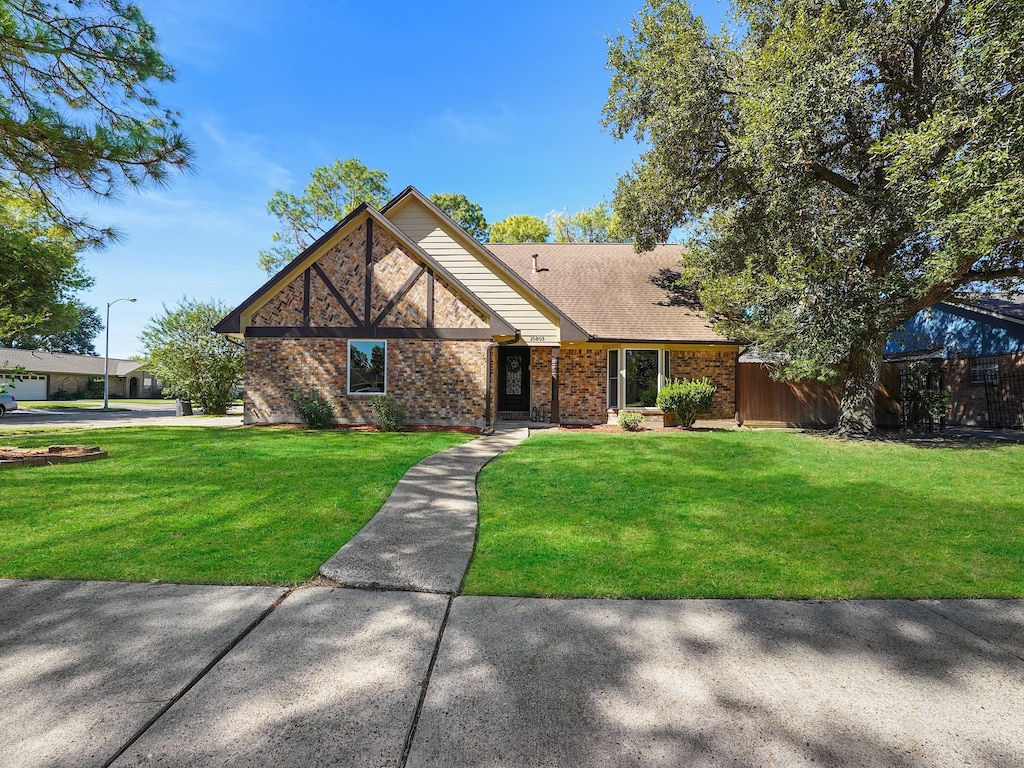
column 749, row 514
column 199, row 505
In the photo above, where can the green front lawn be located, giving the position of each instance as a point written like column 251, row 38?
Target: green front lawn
column 741, row 514
column 199, row 504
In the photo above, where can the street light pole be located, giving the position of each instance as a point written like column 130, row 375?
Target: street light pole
column 106, row 355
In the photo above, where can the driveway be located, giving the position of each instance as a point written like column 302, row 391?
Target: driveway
column 120, row 415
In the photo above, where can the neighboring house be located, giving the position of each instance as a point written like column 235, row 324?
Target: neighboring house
column 403, row 301
column 45, row 375
column 978, row 347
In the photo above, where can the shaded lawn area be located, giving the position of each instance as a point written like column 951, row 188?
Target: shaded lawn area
column 200, row 504
column 749, row 514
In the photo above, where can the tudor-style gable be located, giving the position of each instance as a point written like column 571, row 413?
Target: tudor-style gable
column 476, row 267
column 365, row 279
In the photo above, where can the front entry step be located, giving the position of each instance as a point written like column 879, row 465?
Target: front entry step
column 513, row 415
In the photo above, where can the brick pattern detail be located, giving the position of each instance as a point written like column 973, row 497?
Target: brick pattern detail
column 411, row 309
column 345, row 266
column 540, row 380
column 391, row 268
column 285, row 309
column 451, row 312
column 582, row 389
column 717, row 365
column 324, row 309
column 440, row 382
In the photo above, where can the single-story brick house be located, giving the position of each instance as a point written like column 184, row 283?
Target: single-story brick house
column 33, row 374
column 977, row 345
column 402, row 300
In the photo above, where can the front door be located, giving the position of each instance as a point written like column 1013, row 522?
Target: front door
column 514, row 380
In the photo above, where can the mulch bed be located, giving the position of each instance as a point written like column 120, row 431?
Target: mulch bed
column 53, row 454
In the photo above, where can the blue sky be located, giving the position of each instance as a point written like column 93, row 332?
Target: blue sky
column 499, row 101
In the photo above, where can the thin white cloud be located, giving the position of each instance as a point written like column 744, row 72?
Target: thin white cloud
column 474, row 127
column 242, row 152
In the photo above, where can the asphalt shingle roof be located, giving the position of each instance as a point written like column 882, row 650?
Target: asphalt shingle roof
column 1000, row 305
column 37, row 361
column 610, row 291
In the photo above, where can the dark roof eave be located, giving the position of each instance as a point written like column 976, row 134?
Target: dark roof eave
column 232, row 323
column 701, row 342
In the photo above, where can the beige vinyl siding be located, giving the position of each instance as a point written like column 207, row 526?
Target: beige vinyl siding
column 534, row 325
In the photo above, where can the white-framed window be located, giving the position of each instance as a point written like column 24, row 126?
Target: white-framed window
column 367, row 367
column 984, row 369
column 613, row 378
column 636, row 375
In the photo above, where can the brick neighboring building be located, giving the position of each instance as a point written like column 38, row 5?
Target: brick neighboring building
column 977, row 344
column 403, row 301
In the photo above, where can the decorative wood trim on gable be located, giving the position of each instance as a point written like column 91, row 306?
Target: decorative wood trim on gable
column 369, row 327
column 430, row 298
column 401, row 295
column 335, row 293
column 305, row 296
column 448, row 334
column 368, row 271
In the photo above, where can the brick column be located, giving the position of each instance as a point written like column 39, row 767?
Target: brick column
column 554, row 385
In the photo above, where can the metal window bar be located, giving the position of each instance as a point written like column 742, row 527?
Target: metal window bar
column 1004, row 399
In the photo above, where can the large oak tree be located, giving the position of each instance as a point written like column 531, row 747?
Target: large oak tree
column 841, row 164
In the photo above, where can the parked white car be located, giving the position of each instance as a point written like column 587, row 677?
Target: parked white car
column 7, row 403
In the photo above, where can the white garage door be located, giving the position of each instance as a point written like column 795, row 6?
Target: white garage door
column 26, row 387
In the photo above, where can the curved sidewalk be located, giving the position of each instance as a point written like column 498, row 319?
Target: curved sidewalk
column 422, row 538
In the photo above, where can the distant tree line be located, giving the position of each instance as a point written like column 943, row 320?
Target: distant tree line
column 335, row 190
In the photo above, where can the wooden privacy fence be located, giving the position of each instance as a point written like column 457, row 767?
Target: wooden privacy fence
column 760, row 400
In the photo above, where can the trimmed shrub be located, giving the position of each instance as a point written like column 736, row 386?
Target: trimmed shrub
column 315, row 410
column 687, row 399
column 389, row 412
column 631, row 420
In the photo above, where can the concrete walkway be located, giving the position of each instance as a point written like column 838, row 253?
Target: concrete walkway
column 411, row 675
column 421, row 540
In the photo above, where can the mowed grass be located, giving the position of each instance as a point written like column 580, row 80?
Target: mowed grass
column 198, row 504
column 749, row 514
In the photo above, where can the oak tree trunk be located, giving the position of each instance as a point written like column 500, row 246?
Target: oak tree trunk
column 857, row 401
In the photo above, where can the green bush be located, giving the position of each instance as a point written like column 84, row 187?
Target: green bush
column 316, row 410
column 631, row 420
column 389, row 412
column 687, row 399
column 924, row 403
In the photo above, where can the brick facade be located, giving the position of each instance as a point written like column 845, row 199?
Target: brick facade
column 583, row 386
column 719, row 365
column 583, row 381
column 968, row 405
column 438, row 364
column 439, row 382
column 540, row 382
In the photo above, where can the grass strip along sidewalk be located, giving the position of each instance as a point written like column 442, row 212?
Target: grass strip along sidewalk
column 749, row 514
column 198, row 504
